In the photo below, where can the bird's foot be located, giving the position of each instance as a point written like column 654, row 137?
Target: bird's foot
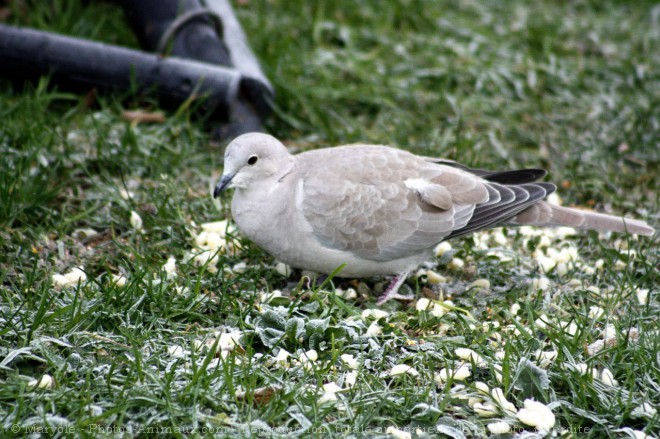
column 392, row 290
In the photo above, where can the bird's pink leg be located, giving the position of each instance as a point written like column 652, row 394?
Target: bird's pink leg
column 392, row 291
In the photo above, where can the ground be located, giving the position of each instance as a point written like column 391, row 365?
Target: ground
column 126, row 307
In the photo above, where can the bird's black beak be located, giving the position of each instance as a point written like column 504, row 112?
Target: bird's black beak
column 222, row 184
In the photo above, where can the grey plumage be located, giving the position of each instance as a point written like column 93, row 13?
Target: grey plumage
column 377, row 209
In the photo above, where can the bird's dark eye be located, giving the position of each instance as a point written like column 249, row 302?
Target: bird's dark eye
column 252, row 160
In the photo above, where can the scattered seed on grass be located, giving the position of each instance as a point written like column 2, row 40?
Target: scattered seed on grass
column 136, row 221
column 44, row 382
column 536, row 414
column 500, row 427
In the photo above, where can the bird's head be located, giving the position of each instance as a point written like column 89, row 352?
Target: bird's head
column 253, row 157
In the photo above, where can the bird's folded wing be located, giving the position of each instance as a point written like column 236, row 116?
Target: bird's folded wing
column 383, row 204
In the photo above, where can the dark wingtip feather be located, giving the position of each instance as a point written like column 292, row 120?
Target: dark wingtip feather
column 549, row 187
column 514, row 199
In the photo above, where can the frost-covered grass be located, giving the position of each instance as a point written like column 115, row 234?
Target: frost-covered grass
column 126, row 306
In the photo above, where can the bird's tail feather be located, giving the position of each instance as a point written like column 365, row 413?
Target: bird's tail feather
column 546, row 214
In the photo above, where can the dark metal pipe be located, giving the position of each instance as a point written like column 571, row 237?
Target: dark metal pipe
column 26, row 52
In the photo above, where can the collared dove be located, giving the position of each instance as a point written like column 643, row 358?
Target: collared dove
column 378, row 210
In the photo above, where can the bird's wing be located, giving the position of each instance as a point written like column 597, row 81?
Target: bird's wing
column 381, row 203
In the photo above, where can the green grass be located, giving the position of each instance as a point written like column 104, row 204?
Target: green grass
column 569, row 86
